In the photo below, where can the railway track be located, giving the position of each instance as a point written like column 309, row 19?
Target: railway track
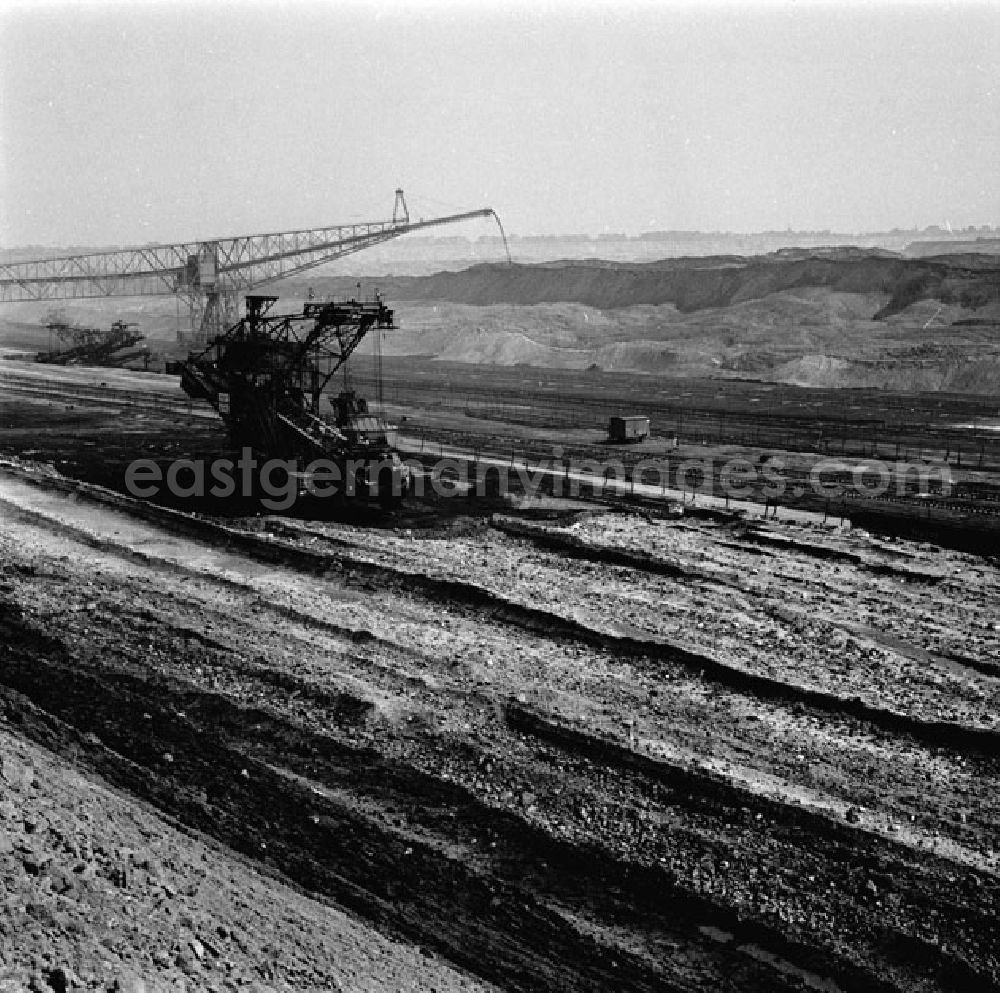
column 918, row 507
column 734, row 413
column 911, row 506
column 151, row 401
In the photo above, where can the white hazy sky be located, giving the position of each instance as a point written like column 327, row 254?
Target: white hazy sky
column 144, row 121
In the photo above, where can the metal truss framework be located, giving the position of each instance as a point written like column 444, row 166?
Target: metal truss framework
column 209, row 275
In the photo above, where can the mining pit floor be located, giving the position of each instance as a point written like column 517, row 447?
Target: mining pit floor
column 474, row 746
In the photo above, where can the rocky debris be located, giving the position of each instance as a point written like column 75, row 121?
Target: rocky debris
column 98, row 895
column 419, row 669
column 855, row 628
column 130, row 982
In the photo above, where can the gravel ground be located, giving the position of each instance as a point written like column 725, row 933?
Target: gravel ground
column 506, row 797
column 605, row 751
column 101, row 892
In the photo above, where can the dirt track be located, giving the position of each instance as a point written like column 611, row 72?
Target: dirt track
column 461, row 775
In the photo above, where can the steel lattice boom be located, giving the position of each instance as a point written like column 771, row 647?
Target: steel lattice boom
column 208, row 274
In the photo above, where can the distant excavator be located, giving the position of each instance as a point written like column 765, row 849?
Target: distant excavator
column 267, row 376
column 113, row 346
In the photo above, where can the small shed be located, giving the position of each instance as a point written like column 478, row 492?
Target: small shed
column 632, row 428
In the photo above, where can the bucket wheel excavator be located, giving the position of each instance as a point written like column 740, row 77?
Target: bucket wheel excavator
column 266, row 374
column 267, row 377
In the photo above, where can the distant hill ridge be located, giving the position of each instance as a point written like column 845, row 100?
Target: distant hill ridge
column 976, row 246
column 697, row 283
column 831, row 316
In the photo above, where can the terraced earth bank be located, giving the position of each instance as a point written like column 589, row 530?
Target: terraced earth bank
column 833, row 317
column 597, row 751
column 820, row 317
